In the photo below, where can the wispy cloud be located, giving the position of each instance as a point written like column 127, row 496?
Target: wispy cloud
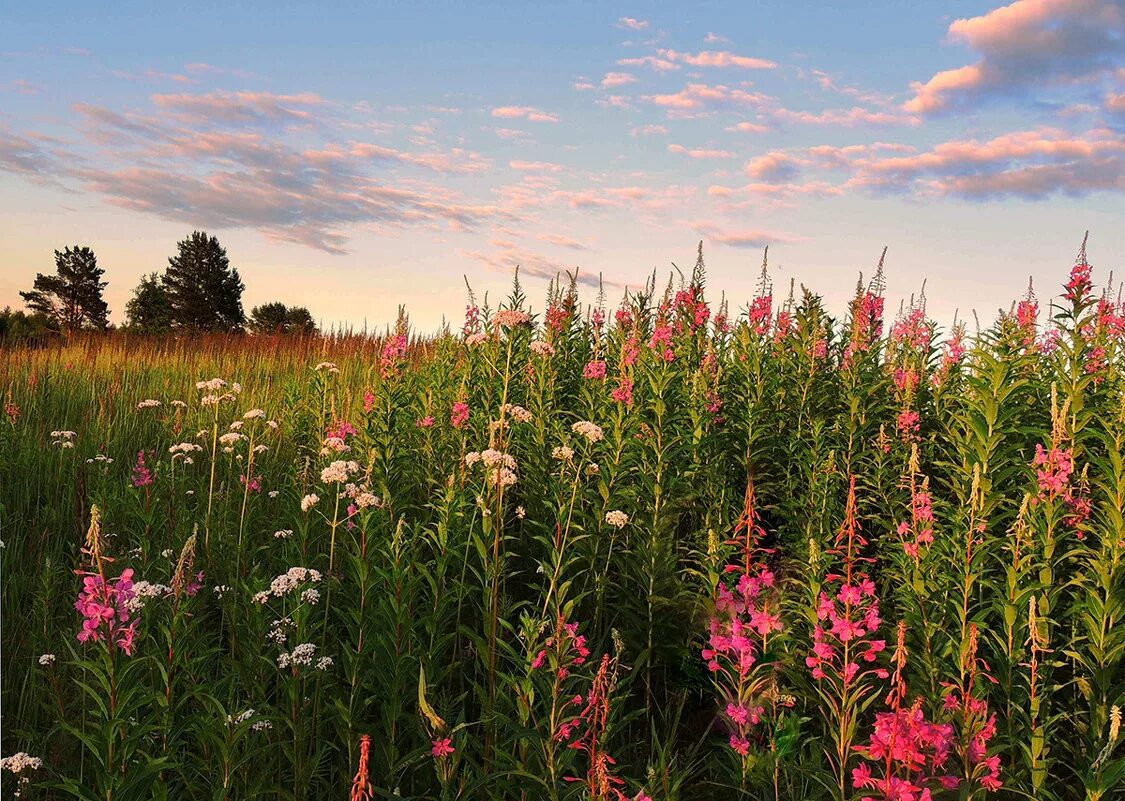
column 720, row 58
column 523, row 112
column 632, row 24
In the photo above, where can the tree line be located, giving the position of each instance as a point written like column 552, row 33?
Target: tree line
column 199, row 291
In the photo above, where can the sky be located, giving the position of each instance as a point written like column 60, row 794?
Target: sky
column 352, row 157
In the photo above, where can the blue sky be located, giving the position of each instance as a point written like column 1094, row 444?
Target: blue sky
column 356, row 156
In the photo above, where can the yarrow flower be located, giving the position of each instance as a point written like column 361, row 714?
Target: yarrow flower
column 148, row 404
column 590, row 431
column 309, row 501
column 616, row 518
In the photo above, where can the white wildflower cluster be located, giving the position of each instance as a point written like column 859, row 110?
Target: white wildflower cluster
column 179, row 404
column 338, row 472
column 102, row 459
column 143, row 592
column 18, row 763
column 517, row 413
column 261, row 448
column 148, row 404
column 261, row 725
column 593, row 468
column 229, row 440
column 309, row 501
column 63, row 439
column 521, row 513
column 221, row 590
column 47, row 659
column 324, row 663
column 241, row 718
column 183, row 450
column 274, row 493
column 311, row 596
column 591, row 431
column 479, row 338
column 283, row 534
column 254, row 414
column 167, row 553
column 362, row 497
column 277, row 633
column 214, row 387
column 327, row 367
column 236, row 425
column 287, row 582
column 334, row 445
column 542, row 348
column 500, row 467
column 616, row 518
column 301, row 655
column 563, row 453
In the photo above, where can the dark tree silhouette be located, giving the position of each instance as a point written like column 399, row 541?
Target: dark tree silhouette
column 149, row 310
column 204, row 292
column 71, row 298
column 277, row 318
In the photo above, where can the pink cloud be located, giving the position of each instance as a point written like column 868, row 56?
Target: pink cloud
column 1029, row 164
column 1115, row 103
column 632, row 24
column 562, row 241
column 749, row 127
column 583, row 86
column 652, row 62
column 241, row 108
column 847, row 118
column 524, row 112
column 649, row 130
column 535, row 166
column 700, row 153
column 774, row 167
column 739, row 238
column 722, row 58
column 1027, row 44
column 714, row 38
column 697, row 96
column 612, row 79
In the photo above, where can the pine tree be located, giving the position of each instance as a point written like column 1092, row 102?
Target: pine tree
column 204, row 292
column 149, row 310
column 72, row 298
column 277, row 318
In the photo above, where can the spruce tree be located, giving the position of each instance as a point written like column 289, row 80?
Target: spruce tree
column 204, row 291
column 149, row 310
column 71, row 298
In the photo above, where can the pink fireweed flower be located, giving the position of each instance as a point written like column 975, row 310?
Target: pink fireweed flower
column 142, row 476
column 340, row 429
column 746, row 616
column 393, row 351
column 459, row 415
column 254, row 484
column 1079, row 284
column 624, row 391
column 425, row 422
column 368, row 401
column 564, row 650
column 908, row 423
column 1052, row 469
column 442, row 747
column 661, row 342
column 594, row 370
column 105, row 611
column 761, row 312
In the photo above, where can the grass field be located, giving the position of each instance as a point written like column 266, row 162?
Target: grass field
column 667, row 550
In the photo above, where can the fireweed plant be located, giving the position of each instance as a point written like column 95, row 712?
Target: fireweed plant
column 672, row 546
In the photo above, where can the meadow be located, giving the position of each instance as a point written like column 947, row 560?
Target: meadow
column 662, row 549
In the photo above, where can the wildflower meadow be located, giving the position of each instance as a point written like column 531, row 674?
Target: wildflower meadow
column 667, row 547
